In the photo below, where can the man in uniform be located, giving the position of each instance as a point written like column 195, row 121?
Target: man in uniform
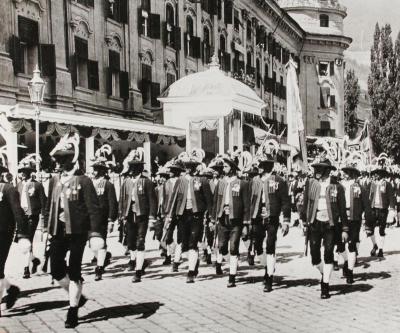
column 33, row 202
column 108, row 203
column 324, row 208
column 269, row 198
column 12, row 217
column 72, row 216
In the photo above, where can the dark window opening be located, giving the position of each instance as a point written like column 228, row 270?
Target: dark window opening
column 324, row 21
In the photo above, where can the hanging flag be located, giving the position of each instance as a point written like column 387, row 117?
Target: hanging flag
column 363, row 142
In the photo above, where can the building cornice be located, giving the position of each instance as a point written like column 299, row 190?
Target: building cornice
column 326, row 39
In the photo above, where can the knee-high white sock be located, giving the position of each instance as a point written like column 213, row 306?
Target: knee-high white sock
column 27, row 258
column 344, row 255
column 1, row 288
column 320, row 268
column 101, row 257
column 139, row 260
column 358, row 247
column 270, row 264
column 373, row 240
column 219, row 257
column 328, row 268
column 381, row 242
column 233, row 265
column 64, row 283
column 75, row 292
column 336, row 256
column 263, row 259
column 6, row 284
column 193, row 256
column 133, row 255
column 352, row 260
column 178, row 253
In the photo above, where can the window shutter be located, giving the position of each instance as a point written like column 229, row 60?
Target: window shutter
column 333, row 101
column 146, row 72
column 213, row 5
column 47, row 59
column 140, row 22
column 227, row 61
column 124, row 85
column 185, row 43
column 144, row 87
column 73, row 70
column 107, row 9
column 196, row 47
column 123, row 11
column 146, row 5
column 332, row 68
column 81, row 48
column 241, row 66
column 177, row 38
column 155, row 26
column 28, row 30
column 109, row 81
column 219, row 9
column 321, row 99
column 93, row 75
column 165, row 33
column 228, row 11
column 155, row 93
column 114, row 60
column 15, row 54
column 90, row 3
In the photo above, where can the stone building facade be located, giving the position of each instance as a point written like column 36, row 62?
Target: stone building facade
column 115, row 57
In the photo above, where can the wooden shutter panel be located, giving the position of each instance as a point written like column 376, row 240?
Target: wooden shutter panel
column 28, row 30
column 73, row 70
column 90, row 3
column 81, row 48
column 155, row 93
column 93, row 75
column 155, row 26
column 332, row 68
column 185, row 43
column 47, row 61
column 227, row 61
column 165, row 33
column 228, row 11
column 114, row 60
column 219, row 9
column 196, row 47
column 15, row 54
column 107, row 9
column 124, row 85
column 333, row 101
column 144, row 87
column 140, row 22
column 177, row 38
column 123, row 11
column 109, row 81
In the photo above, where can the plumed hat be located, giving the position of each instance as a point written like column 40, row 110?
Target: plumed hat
column 67, row 146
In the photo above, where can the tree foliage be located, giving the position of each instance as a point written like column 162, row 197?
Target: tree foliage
column 384, row 92
column 352, row 93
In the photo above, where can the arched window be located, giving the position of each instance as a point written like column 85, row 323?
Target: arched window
column 170, row 14
column 206, row 45
column 324, row 20
column 189, row 44
column 189, row 26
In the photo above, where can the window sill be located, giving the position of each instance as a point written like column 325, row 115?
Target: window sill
column 84, row 90
column 24, row 76
column 170, row 48
column 113, row 22
column 150, row 40
column 116, row 98
column 83, row 7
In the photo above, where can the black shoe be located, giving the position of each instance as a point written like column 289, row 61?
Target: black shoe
column 345, row 269
column 175, row 267
column 196, row 269
column 163, row 253
column 373, row 251
column 268, row 284
column 265, row 277
column 82, row 301
column 380, row 253
column 325, row 291
column 27, row 274
column 146, row 264
column 99, row 273
column 107, row 261
column 138, row 277
column 232, row 281
column 208, row 259
column 131, row 265
column 335, row 266
column 349, row 278
column 250, row 259
column 167, row 261
column 12, row 296
column 218, row 269
column 94, row 261
column 190, row 277
column 35, row 264
column 72, row 317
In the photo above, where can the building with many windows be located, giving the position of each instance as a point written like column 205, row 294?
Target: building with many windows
column 112, row 59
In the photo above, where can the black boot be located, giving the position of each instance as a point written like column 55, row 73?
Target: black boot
column 107, row 261
column 131, row 265
column 380, row 253
column 72, row 317
column 250, row 259
column 325, row 290
column 196, row 269
column 345, row 268
column 82, row 301
column 218, row 269
column 231, row 281
column 265, row 277
column 349, row 277
column 27, row 274
column 175, row 267
column 11, row 297
column 146, row 264
column 208, row 259
column 268, row 284
column 190, row 277
column 35, row 264
column 373, row 251
column 167, row 261
column 99, row 273
column 138, row 277
column 335, row 266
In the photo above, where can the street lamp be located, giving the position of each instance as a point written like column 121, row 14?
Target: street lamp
column 36, row 92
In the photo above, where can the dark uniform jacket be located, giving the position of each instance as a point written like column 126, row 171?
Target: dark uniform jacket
column 357, row 207
column 277, row 198
column 81, row 206
column 105, row 191
column 386, row 193
column 12, row 215
column 125, row 198
column 36, row 197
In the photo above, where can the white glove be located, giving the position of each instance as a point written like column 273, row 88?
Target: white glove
column 96, row 243
column 25, row 245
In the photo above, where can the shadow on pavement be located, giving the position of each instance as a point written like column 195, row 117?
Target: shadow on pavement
column 144, row 309
column 343, row 289
column 37, row 307
column 371, row 276
column 32, row 292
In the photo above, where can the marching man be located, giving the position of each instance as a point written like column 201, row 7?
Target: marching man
column 12, row 217
column 33, row 202
column 72, row 216
column 269, row 199
column 108, row 203
column 324, row 208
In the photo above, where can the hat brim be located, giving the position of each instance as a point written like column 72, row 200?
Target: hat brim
column 191, row 163
column 177, row 168
column 63, row 153
column 136, row 163
column 324, row 165
column 381, row 172
column 27, row 169
column 100, row 166
column 232, row 164
column 265, row 161
column 351, row 170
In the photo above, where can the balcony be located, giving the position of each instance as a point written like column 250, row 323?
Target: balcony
column 247, row 79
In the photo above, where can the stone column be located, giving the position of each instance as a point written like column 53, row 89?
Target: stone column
column 147, row 155
column 89, row 143
column 12, row 152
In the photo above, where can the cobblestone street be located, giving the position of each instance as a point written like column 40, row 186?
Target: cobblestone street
column 163, row 302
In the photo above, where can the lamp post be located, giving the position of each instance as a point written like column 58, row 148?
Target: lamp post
column 36, row 92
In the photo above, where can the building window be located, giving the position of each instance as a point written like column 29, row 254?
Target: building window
column 236, row 20
column 248, row 30
column 191, row 42
column 324, row 21
column 327, row 100
column 170, row 21
column 117, row 80
column 150, row 90
column 86, row 71
column 219, row 9
column 326, row 68
column 28, row 31
column 258, row 73
column 206, row 45
column 171, row 78
column 117, row 10
column 249, row 64
column 87, row 3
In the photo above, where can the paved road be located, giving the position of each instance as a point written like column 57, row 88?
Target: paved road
column 163, row 302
